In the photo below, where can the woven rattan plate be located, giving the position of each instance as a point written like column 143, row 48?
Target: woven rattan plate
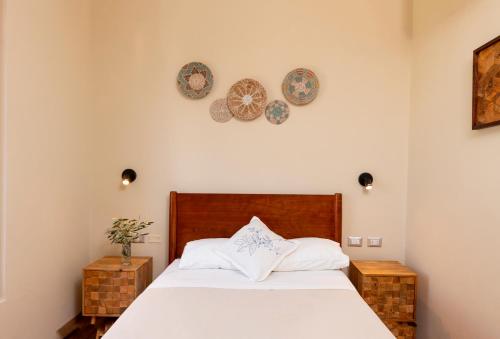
column 247, row 99
column 300, row 86
column 219, row 110
column 277, row 112
column 195, row 80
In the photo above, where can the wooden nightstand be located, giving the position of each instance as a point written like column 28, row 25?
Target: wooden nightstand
column 108, row 287
column 390, row 290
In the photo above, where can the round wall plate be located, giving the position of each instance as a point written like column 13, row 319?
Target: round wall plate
column 277, row 112
column 219, row 110
column 247, row 99
column 195, row 80
column 300, row 86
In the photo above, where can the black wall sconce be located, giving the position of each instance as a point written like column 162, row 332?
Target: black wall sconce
column 128, row 176
column 366, row 180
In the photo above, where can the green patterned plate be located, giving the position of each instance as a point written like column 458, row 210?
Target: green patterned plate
column 195, row 80
column 300, row 86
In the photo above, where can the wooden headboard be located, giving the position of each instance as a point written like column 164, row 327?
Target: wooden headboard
column 205, row 215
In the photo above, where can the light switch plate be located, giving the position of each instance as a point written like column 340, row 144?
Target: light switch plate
column 353, row 241
column 374, row 241
column 154, row 238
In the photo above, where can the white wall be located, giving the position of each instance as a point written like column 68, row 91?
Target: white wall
column 453, row 220
column 359, row 122
column 48, row 157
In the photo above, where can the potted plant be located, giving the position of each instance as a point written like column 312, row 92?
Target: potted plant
column 125, row 232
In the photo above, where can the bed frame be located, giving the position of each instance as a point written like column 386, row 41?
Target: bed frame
column 208, row 215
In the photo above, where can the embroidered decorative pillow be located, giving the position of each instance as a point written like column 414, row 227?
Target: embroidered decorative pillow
column 256, row 250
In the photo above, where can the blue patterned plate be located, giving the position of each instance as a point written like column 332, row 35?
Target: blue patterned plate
column 277, row 112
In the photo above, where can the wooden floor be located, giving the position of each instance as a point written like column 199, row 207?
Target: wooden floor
column 81, row 328
column 85, row 332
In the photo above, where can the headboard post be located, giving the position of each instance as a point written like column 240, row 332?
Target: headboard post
column 338, row 217
column 172, row 233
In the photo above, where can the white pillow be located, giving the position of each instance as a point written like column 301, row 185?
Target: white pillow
column 200, row 254
column 256, row 250
column 314, row 254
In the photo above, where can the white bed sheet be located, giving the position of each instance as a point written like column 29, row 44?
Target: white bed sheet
column 223, row 304
column 229, row 279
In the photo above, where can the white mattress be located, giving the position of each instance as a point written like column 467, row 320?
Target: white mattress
column 222, row 304
column 228, row 279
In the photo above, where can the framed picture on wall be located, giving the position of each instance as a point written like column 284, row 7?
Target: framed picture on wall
column 486, row 85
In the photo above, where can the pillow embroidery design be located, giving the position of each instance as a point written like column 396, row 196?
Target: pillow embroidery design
column 254, row 240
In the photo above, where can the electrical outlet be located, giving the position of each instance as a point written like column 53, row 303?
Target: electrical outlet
column 141, row 239
column 154, row 238
column 354, row 241
column 374, row 241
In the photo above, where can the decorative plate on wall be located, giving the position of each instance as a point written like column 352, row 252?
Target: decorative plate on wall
column 195, row 80
column 277, row 112
column 219, row 110
column 300, row 86
column 247, row 99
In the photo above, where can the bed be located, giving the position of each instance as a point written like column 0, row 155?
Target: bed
column 220, row 304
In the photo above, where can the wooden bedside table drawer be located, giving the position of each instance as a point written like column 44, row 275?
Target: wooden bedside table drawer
column 402, row 329
column 108, row 288
column 389, row 288
column 107, row 293
column 390, row 297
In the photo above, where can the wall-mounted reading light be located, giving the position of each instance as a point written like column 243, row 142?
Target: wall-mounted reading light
column 366, row 180
column 128, row 176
